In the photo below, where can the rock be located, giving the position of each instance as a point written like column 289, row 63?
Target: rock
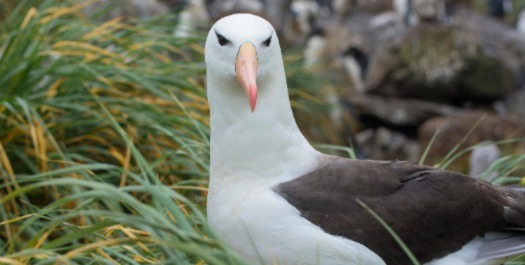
column 384, row 22
column 455, row 129
column 220, row 8
column 384, row 144
column 372, row 6
column 453, row 4
column 429, row 10
column 274, row 11
column 399, row 112
column 174, row 4
column 105, row 10
column 347, row 45
column 344, row 8
column 469, row 58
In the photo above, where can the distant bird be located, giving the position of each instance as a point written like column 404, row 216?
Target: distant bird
column 482, row 158
column 520, row 25
column 305, row 13
column 499, row 8
column 405, row 11
column 355, row 63
column 429, row 10
column 277, row 200
column 191, row 18
column 315, row 48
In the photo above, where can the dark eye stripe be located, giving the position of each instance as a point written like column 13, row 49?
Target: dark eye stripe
column 267, row 41
column 222, row 40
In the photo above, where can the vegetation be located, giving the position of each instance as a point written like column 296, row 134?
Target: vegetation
column 104, row 139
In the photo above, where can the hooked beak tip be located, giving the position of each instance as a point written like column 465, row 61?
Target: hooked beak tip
column 252, row 97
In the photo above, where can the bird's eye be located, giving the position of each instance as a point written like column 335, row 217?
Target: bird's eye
column 222, row 40
column 267, row 41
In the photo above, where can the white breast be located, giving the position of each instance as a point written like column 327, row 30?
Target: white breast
column 266, row 229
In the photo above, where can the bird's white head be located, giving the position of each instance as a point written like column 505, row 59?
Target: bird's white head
column 241, row 51
column 251, row 120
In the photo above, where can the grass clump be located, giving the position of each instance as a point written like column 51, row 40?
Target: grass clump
column 103, row 138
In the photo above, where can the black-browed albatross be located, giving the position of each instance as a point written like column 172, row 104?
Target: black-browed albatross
column 277, row 200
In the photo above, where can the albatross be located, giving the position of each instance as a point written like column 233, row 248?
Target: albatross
column 276, row 200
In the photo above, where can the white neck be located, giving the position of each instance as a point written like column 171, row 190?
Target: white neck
column 264, row 144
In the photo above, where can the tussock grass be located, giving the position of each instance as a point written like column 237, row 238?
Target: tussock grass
column 103, row 141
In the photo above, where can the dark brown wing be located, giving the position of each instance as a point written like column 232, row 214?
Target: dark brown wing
column 434, row 212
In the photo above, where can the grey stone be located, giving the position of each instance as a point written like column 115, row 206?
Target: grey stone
column 108, row 9
column 467, row 129
column 471, row 57
column 402, row 112
column 385, row 144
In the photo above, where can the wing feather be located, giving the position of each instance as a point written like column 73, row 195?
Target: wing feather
column 434, row 212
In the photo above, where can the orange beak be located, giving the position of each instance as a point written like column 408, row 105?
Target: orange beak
column 246, row 70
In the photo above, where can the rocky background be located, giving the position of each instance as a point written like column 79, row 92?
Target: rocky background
column 448, row 72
